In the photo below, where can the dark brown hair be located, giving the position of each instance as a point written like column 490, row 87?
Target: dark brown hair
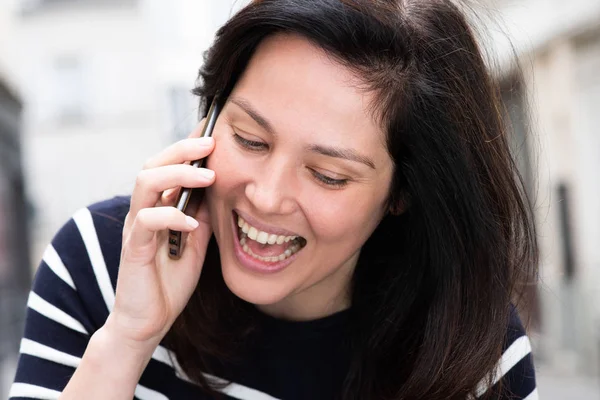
column 432, row 289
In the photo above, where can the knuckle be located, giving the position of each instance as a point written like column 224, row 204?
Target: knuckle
column 138, row 254
column 142, row 217
column 171, row 212
column 127, row 222
column 142, row 179
column 182, row 149
column 149, row 163
column 181, row 145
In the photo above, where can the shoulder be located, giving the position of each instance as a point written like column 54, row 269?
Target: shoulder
column 516, row 364
column 104, row 217
column 83, row 259
column 71, row 297
column 103, row 220
column 94, row 233
column 114, row 209
column 514, row 376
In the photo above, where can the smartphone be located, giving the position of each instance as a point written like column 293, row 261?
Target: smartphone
column 189, row 199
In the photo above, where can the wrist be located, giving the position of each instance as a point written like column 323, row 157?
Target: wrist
column 111, row 334
column 128, row 332
column 111, row 354
column 110, row 368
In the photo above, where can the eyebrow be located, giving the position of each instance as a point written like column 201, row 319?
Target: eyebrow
column 256, row 116
column 347, row 154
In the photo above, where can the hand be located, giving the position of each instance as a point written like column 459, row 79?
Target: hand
column 152, row 289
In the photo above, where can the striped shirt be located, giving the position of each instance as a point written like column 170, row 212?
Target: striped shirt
column 74, row 291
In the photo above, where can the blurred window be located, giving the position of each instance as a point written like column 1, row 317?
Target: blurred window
column 4, row 229
column 69, row 92
column 513, row 97
column 34, row 6
column 515, row 106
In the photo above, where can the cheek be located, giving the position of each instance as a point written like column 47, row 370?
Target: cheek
column 228, row 167
column 347, row 220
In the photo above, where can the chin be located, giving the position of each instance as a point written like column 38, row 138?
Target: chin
column 252, row 289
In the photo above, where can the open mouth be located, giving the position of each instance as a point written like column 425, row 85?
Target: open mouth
column 265, row 246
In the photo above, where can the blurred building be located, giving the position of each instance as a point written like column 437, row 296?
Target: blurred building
column 106, row 84
column 559, row 99
column 15, row 273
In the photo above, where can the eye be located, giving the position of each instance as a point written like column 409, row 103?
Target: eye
column 250, row 144
column 334, row 183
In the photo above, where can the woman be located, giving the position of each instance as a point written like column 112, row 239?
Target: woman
column 367, row 221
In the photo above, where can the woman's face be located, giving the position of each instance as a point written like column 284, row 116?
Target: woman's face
column 301, row 162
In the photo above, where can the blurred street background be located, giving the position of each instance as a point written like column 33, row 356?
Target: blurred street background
column 89, row 89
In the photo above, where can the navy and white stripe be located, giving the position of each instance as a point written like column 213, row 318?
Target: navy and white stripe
column 74, row 291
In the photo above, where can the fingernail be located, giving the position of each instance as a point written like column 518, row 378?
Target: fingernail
column 205, row 141
column 191, row 222
column 206, row 173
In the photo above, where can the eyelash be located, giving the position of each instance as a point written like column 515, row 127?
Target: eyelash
column 258, row 146
column 249, row 144
column 337, row 183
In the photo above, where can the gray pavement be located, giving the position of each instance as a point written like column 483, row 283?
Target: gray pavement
column 552, row 386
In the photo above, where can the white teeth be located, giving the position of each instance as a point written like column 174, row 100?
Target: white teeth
column 252, row 233
column 294, row 248
column 262, row 237
column 272, row 239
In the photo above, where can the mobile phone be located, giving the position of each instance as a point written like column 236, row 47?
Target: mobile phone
column 193, row 197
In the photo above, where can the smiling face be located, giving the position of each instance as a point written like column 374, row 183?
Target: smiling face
column 300, row 163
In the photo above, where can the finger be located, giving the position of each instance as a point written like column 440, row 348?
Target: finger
column 140, row 245
column 169, row 197
column 197, row 131
column 182, row 151
column 193, row 249
column 186, row 146
column 195, row 243
column 151, row 183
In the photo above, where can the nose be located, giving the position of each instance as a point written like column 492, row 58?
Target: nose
column 271, row 190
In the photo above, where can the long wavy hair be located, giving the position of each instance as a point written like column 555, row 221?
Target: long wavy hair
column 432, row 289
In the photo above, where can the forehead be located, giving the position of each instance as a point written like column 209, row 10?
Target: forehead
column 301, row 90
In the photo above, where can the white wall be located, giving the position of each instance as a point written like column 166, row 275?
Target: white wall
column 531, row 24
column 69, row 164
column 123, row 65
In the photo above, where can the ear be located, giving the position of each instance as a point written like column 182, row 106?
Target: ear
column 400, row 205
column 396, row 210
